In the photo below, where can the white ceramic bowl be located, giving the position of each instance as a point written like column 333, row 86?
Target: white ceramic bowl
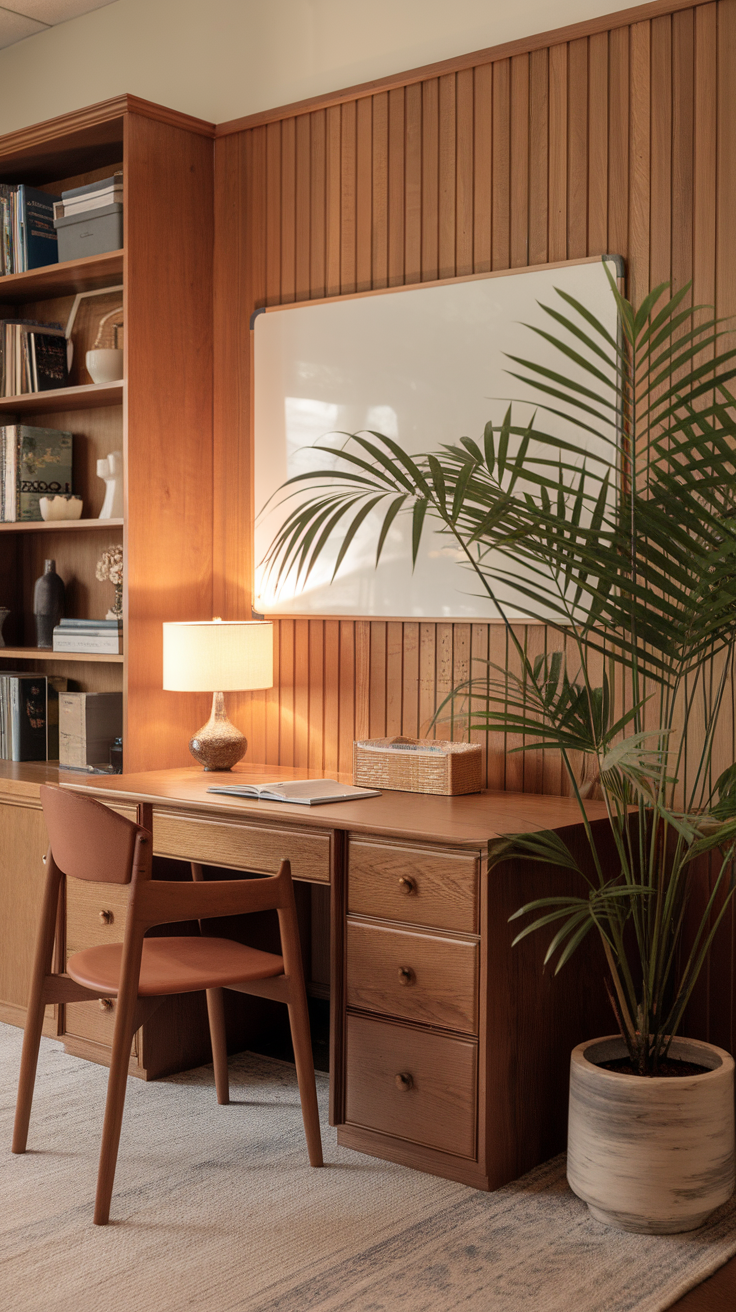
column 105, row 364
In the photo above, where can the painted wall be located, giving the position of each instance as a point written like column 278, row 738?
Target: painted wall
column 220, row 59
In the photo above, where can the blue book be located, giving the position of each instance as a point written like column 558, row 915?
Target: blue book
column 39, row 245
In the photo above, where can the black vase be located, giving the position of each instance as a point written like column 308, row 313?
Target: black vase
column 48, row 604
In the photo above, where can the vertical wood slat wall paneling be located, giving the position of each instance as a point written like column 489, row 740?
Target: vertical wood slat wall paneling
column 302, row 209
column 558, row 162
column 362, row 670
column 315, row 712
column 380, row 190
column 577, row 150
column 333, row 160
column 683, row 33
column 377, row 702
column 317, row 216
column 447, row 143
column 288, row 210
column 501, row 177
column 396, row 175
column 273, row 213
column 394, row 678
column 332, row 697
column 364, row 195
column 598, row 144
column 464, row 178
column 482, row 164
column 430, row 179
column 519, row 183
column 413, row 184
column 301, row 692
column 347, row 721
column 660, row 198
column 410, row 680
column 538, row 155
column 640, row 164
column 618, row 141
column 348, row 196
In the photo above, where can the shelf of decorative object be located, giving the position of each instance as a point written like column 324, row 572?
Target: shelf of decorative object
column 90, row 396
column 45, row 654
column 62, row 279
column 59, row 525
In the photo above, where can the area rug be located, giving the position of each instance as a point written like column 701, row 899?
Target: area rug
column 216, row 1209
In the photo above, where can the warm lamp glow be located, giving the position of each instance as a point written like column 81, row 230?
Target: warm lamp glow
column 218, row 656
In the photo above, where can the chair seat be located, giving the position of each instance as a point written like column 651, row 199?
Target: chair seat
column 176, row 965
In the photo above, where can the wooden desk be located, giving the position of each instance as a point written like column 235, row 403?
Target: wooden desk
column 449, row 1049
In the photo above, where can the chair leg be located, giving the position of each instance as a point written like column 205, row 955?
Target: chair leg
column 218, row 1038
column 36, row 1005
column 28, row 1064
column 302, row 1043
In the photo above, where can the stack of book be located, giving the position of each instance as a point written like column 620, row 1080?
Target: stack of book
column 29, row 716
column 97, row 637
column 27, row 234
column 34, row 463
column 93, row 196
column 33, row 357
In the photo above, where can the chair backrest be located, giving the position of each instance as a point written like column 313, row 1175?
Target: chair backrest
column 87, row 839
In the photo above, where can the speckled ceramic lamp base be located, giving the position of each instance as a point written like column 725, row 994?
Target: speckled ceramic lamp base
column 218, row 745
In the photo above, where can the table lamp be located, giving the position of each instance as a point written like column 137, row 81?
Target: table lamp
column 218, row 656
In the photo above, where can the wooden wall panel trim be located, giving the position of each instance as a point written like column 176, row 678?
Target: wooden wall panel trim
column 523, row 45
column 501, row 176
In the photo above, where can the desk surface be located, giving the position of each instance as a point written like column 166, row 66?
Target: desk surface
column 468, row 821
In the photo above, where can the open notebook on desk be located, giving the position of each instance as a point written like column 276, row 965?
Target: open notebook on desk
column 307, row 792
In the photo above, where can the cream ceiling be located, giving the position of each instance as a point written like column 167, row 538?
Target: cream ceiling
column 24, row 18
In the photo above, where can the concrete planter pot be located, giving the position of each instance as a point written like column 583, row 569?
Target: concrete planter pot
column 651, row 1155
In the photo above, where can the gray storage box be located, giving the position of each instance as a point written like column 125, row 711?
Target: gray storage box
column 90, row 234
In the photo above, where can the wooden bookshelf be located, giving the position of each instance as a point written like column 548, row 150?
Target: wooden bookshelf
column 60, row 525
column 90, row 396
column 38, row 654
column 160, row 416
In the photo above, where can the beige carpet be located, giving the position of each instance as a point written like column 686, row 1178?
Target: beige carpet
column 216, row 1210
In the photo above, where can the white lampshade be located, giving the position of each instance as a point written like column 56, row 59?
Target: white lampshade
column 218, row 656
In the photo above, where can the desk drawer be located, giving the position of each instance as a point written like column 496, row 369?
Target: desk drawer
column 420, row 885
column 412, row 1084
column 89, row 1020
column 257, row 848
column 419, row 977
column 95, row 913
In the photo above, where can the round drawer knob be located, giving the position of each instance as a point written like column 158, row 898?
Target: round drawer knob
column 106, row 1004
column 407, row 885
column 406, row 975
column 403, row 1082
column 106, row 917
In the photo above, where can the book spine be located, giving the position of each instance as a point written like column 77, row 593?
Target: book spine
column 102, row 644
column 28, row 718
column 40, row 245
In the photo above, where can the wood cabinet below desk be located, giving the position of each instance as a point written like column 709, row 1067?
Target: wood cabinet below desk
column 415, row 884
column 419, row 977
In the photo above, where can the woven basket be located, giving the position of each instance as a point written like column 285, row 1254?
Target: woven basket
column 418, row 765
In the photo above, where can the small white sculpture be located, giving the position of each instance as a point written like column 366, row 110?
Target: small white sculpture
column 60, row 507
column 111, row 470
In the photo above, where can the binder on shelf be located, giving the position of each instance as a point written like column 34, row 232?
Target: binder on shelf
column 34, row 463
column 29, row 715
column 89, row 722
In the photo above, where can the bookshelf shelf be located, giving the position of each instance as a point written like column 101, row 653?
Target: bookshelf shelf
column 62, row 279
column 39, row 654
column 60, row 525
column 90, row 396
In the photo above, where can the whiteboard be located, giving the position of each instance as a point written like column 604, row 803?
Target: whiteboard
column 426, row 366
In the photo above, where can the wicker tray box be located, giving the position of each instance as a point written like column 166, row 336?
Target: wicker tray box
column 418, row 765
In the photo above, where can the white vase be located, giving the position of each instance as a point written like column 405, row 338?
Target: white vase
column 60, row 508
column 652, row 1155
column 105, row 364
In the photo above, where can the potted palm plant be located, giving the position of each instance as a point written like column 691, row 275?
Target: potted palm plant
column 630, row 553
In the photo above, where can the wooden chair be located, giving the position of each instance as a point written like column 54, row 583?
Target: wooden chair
column 89, row 841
